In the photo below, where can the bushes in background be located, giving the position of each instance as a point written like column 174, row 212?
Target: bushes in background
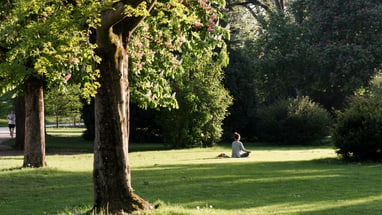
column 297, row 121
column 357, row 134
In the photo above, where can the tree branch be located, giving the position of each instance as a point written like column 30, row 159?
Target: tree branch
column 116, row 21
column 112, row 16
column 128, row 25
column 246, row 3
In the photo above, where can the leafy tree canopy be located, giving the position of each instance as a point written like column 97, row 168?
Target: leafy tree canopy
column 52, row 40
column 178, row 36
column 324, row 49
column 49, row 40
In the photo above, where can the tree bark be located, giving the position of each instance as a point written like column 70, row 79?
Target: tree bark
column 34, row 152
column 113, row 192
column 20, row 121
column 279, row 4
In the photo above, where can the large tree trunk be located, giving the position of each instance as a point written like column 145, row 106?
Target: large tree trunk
column 34, row 152
column 20, row 121
column 111, row 174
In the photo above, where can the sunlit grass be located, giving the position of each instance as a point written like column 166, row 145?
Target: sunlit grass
column 65, row 131
column 3, row 122
column 274, row 180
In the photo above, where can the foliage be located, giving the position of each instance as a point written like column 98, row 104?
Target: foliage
column 181, row 58
column 6, row 105
column 357, row 133
column 239, row 76
column 280, row 57
column 240, row 80
column 49, row 40
column 324, row 49
column 298, row 121
column 61, row 103
column 203, row 103
column 345, row 37
column 374, row 89
column 161, row 48
column 175, row 38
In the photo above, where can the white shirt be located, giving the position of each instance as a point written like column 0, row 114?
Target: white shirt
column 12, row 119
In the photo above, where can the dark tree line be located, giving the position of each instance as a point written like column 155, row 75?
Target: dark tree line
column 322, row 49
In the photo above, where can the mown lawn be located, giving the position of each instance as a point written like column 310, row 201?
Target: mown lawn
column 274, row 180
column 4, row 122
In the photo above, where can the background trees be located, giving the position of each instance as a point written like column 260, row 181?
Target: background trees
column 203, row 103
column 64, row 103
column 239, row 76
column 344, row 38
column 6, row 104
column 321, row 49
column 41, row 45
column 198, row 54
column 280, row 52
column 307, row 48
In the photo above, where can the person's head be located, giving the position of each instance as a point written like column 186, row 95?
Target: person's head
column 236, row 136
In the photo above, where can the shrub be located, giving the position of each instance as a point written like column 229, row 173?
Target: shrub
column 357, row 134
column 298, row 121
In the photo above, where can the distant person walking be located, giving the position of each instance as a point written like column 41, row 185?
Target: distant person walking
column 11, row 123
column 237, row 147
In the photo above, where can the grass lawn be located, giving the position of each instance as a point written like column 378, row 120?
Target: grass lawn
column 274, row 180
column 4, row 122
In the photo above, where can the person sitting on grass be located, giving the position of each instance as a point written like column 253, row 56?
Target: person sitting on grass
column 237, row 147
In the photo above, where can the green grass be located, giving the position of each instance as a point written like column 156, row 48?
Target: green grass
column 62, row 120
column 274, row 180
column 4, row 122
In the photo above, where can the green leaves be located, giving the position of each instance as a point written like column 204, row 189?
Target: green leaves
column 44, row 37
column 51, row 39
column 325, row 49
column 168, row 43
column 140, row 10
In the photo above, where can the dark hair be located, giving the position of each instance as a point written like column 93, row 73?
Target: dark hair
column 236, row 135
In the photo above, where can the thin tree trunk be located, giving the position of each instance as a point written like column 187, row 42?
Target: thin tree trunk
column 34, row 153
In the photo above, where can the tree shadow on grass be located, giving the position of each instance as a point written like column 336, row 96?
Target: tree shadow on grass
column 44, row 191
column 232, row 186
column 323, row 186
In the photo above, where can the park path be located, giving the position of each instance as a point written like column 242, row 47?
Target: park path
column 4, row 135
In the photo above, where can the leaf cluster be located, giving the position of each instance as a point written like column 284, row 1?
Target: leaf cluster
column 324, row 49
column 52, row 40
column 48, row 40
column 357, row 133
column 177, row 36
